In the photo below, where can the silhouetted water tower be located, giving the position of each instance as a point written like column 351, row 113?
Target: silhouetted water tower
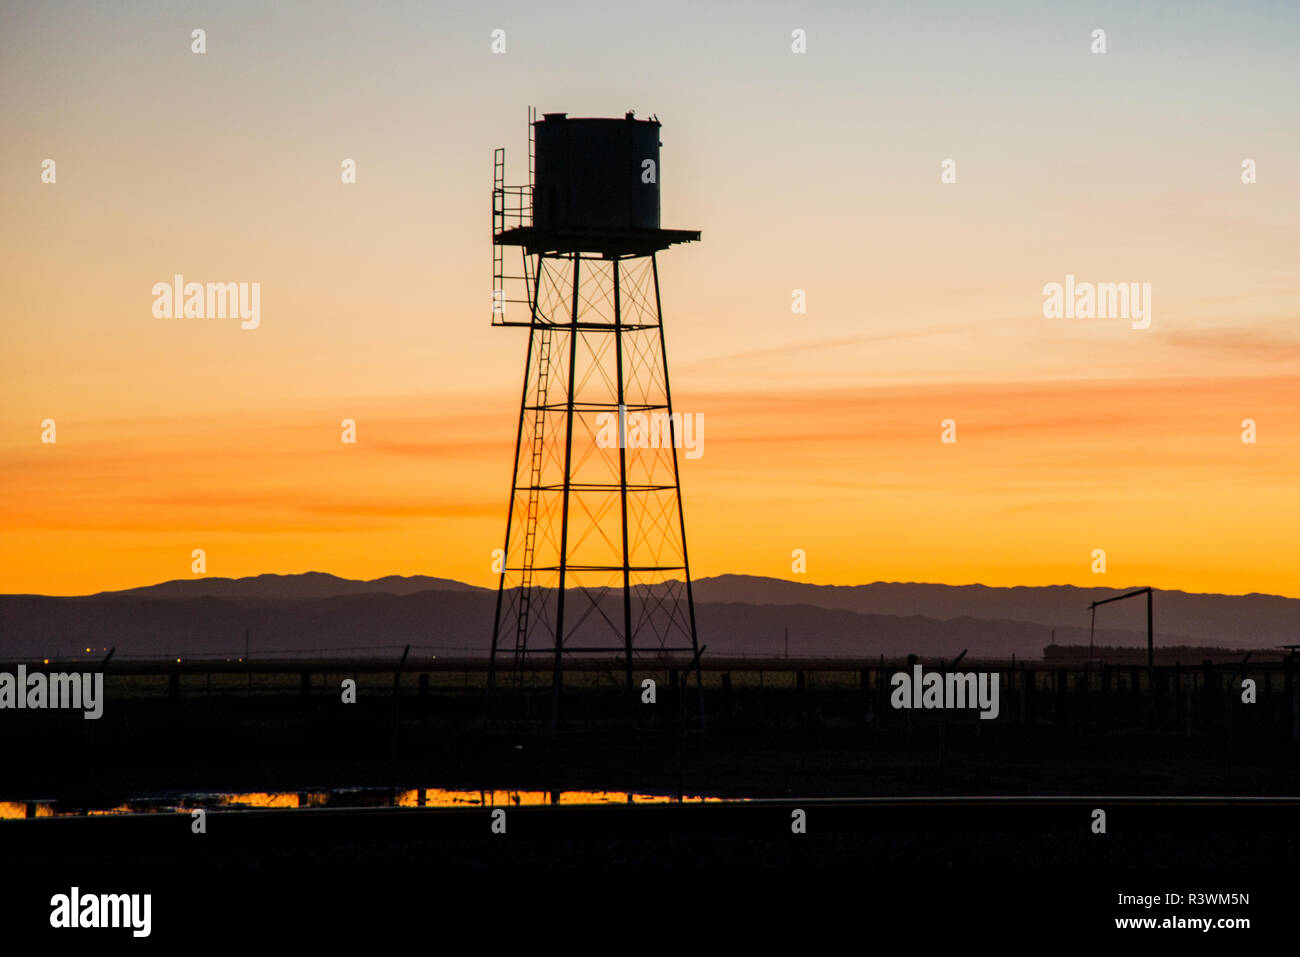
column 595, row 559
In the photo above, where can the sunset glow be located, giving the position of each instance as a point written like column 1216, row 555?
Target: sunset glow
column 823, row 429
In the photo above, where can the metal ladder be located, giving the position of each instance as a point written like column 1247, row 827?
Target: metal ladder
column 511, row 206
column 534, row 493
column 498, row 225
column 532, row 152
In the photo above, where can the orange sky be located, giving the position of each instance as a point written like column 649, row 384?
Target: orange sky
column 1155, row 473
column 819, row 173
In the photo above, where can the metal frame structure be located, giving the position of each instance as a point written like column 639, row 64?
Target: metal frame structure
column 595, row 560
column 1151, row 653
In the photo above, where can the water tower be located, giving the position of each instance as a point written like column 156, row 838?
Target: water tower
column 595, row 562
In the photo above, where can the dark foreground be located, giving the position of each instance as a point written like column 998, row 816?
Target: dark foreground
column 973, row 867
column 898, row 833
column 824, row 732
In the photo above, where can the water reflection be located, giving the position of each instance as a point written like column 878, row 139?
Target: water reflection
column 342, row 798
column 438, row 797
column 24, row 809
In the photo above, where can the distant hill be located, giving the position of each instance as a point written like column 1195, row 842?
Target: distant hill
column 307, row 585
column 1227, row 620
column 460, row 622
column 316, row 613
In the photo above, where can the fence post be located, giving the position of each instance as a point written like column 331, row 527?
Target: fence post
column 1292, row 695
column 1210, row 693
column 1179, row 709
column 1161, row 686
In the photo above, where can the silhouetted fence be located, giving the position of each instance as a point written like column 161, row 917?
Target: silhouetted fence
column 1182, row 699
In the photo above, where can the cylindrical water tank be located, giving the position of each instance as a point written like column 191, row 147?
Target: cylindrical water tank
column 596, row 174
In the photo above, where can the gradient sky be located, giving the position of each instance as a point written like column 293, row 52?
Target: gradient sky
column 818, row 171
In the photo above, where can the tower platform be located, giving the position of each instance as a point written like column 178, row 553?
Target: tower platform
column 611, row 243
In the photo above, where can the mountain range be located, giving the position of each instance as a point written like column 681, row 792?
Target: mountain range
column 320, row 614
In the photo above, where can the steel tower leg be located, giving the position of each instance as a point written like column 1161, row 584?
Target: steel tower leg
column 622, row 479
column 510, row 514
column 677, row 480
column 558, row 675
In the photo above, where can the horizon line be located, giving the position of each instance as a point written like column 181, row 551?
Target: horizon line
column 343, row 578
